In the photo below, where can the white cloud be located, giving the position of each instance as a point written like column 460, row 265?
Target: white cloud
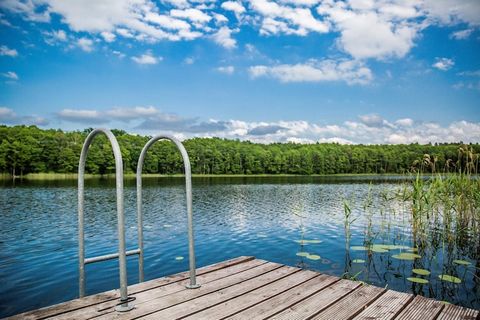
column 224, row 38
column 474, row 73
column 147, row 58
column 220, row 18
column 194, row 15
column 405, row 122
column 234, row 6
column 85, row 44
column 373, row 29
column 189, row 60
column 285, row 19
column 454, row 11
column 370, row 129
column 364, row 29
column 6, row 114
column 226, row 69
column 167, row 22
column 350, row 71
column 11, row 75
column 119, row 54
column 462, row 34
column 108, row 36
column 59, row 35
column 6, row 51
column 131, row 113
column 443, row 64
column 27, row 8
column 82, row 116
column 375, row 120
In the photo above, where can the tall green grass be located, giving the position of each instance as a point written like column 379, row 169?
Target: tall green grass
column 449, row 197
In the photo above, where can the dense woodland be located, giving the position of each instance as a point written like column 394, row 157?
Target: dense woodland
column 28, row 149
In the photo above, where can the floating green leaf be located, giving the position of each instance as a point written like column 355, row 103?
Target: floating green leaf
column 179, row 258
column 358, row 248
column 303, row 242
column 462, row 262
column 406, row 256
column 358, row 261
column 313, row 257
column 412, row 249
column 448, row 278
column 417, row 280
column 378, row 249
column 390, row 246
column 421, row 272
column 302, row 254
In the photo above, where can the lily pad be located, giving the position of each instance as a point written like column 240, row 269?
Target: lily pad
column 179, row 258
column 412, row 249
column 406, row 256
column 421, row 272
column 378, row 249
column 417, row 280
column 462, row 262
column 358, row 248
column 313, row 257
column 358, row 261
column 448, row 278
column 314, row 241
column 390, row 246
column 302, row 254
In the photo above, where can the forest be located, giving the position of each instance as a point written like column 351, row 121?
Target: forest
column 29, row 149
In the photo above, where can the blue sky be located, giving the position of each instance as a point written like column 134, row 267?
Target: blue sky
column 348, row 71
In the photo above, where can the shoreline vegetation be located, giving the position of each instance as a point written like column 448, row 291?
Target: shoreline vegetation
column 27, row 150
column 74, row 176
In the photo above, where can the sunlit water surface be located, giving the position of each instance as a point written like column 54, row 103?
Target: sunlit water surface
column 259, row 216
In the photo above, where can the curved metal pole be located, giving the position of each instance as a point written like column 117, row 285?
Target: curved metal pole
column 123, row 306
column 188, row 186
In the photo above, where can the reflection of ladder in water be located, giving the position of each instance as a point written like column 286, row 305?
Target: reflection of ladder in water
column 124, row 304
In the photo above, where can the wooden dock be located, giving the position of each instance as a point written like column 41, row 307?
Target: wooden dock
column 249, row 288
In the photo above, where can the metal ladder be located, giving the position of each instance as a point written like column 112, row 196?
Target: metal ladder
column 124, row 304
column 188, row 189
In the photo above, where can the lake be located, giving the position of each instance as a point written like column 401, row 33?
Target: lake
column 272, row 218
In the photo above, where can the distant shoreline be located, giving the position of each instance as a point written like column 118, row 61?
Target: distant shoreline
column 73, row 176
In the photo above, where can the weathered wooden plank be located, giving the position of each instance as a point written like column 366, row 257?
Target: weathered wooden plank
column 352, row 304
column 451, row 312
column 154, row 305
column 191, row 307
column 244, row 288
column 155, row 293
column 254, row 297
column 387, row 307
column 114, row 294
column 316, row 303
column 286, row 299
column 421, row 308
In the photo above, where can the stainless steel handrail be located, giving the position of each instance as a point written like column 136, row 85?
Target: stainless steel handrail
column 188, row 184
column 122, row 254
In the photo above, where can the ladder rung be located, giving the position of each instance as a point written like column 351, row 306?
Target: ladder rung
column 110, row 256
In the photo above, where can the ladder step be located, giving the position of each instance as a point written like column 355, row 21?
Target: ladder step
column 110, row 256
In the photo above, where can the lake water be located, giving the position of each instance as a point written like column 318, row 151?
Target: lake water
column 263, row 217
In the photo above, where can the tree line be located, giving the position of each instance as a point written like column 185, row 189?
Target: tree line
column 28, row 149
